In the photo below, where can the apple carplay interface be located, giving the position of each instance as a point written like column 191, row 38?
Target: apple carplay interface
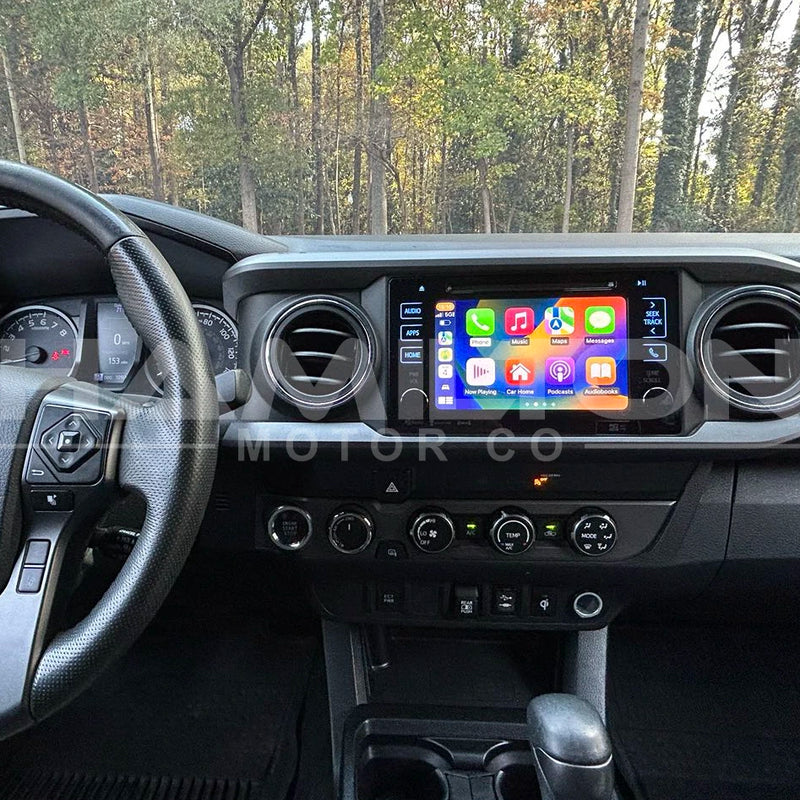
column 556, row 353
column 571, row 351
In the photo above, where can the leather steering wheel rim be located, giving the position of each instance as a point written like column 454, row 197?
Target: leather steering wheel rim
column 168, row 448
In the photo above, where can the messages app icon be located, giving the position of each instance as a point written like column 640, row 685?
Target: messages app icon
column 480, row 322
column 600, row 319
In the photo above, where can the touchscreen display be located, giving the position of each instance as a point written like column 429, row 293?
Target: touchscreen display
column 555, row 353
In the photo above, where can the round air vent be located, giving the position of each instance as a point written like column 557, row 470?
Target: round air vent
column 319, row 352
column 747, row 346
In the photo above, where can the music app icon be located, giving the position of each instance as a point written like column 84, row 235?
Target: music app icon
column 519, row 321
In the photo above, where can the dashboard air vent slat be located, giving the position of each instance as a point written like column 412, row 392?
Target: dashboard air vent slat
column 319, row 352
column 747, row 345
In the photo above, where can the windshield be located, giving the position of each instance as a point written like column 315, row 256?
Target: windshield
column 417, row 116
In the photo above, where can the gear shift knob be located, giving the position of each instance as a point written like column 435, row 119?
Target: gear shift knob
column 571, row 748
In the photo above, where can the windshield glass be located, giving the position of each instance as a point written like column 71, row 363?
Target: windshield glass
column 417, row 116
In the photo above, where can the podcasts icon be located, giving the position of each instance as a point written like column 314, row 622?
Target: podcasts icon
column 559, row 371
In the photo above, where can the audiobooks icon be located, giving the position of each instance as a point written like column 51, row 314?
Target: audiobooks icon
column 601, row 371
column 480, row 371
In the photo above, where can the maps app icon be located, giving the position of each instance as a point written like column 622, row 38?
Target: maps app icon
column 559, row 320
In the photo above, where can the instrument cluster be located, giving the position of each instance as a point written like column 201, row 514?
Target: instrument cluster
column 93, row 340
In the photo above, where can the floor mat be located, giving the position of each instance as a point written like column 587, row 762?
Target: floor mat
column 124, row 787
column 706, row 713
column 209, row 699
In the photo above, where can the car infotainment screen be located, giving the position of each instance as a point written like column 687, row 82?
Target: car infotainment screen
column 584, row 351
column 550, row 353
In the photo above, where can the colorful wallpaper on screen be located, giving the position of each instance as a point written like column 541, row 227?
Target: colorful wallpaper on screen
column 557, row 353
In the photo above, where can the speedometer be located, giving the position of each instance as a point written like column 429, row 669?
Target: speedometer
column 221, row 337
column 38, row 336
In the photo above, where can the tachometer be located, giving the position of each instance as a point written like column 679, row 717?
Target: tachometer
column 222, row 340
column 38, row 336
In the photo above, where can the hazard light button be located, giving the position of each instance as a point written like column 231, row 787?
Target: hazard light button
column 392, row 486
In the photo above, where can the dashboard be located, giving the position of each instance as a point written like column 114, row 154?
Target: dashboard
column 91, row 339
column 492, row 432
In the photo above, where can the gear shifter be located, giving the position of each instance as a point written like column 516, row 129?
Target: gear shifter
column 571, row 748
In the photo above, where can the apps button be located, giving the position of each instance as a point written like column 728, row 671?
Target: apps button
column 480, row 321
column 519, row 371
column 410, row 333
column 480, row 371
column 601, row 371
column 519, row 321
column 559, row 371
column 600, row 320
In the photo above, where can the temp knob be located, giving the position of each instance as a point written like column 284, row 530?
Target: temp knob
column 594, row 533
column 350, row 531
column 512, row 532
column 432, row 531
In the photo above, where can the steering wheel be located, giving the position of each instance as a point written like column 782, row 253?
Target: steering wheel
column 68, row 448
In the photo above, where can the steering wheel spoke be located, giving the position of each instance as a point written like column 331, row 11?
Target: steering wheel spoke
column 68, row 479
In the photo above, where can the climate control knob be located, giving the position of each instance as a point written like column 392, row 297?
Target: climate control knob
column 512, row 532
column 593, row 532
column 350, row 531
column 432, row 531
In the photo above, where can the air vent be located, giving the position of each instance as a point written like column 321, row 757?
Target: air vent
column 747, row 345
column 319, row 352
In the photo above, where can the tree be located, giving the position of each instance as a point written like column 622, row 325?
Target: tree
column 786, row 206
column 229, row 27
column 676, row 142
column 379, row 141
column 633, row 119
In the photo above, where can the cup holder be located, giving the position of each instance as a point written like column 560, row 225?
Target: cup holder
column 401, row 779
column 517, row 782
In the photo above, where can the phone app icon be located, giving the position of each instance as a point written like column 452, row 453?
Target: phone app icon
column 519, row 321
column 559, row 371
column 445, row 337
column 519, row 371
column 445, row 354
column 601, row 371
column 559, row 320
column 480, row 371
column 600, row 319
column 445, row 371
column 480, row 322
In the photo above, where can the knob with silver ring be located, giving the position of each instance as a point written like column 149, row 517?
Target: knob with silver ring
column 512, row 532
column 432, row 531
column 350, row 531
column 594, row 533
column 290, row 527
column 588, row 605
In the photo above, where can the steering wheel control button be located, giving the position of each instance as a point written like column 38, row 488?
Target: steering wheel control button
column 504, row 600
column 391, row 551
column 467, row 601
column 432, row 532
column 289, row 528
column 36, row 553
column 594, row 533
column 512, row 533
column 52, row 500
column 38, row 471
column 30, row 580
column 69, row 442
column 543, row 603
column 587, row 605
column 350, row 531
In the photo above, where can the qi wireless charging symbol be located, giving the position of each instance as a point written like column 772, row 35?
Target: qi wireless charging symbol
column 559, row 371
